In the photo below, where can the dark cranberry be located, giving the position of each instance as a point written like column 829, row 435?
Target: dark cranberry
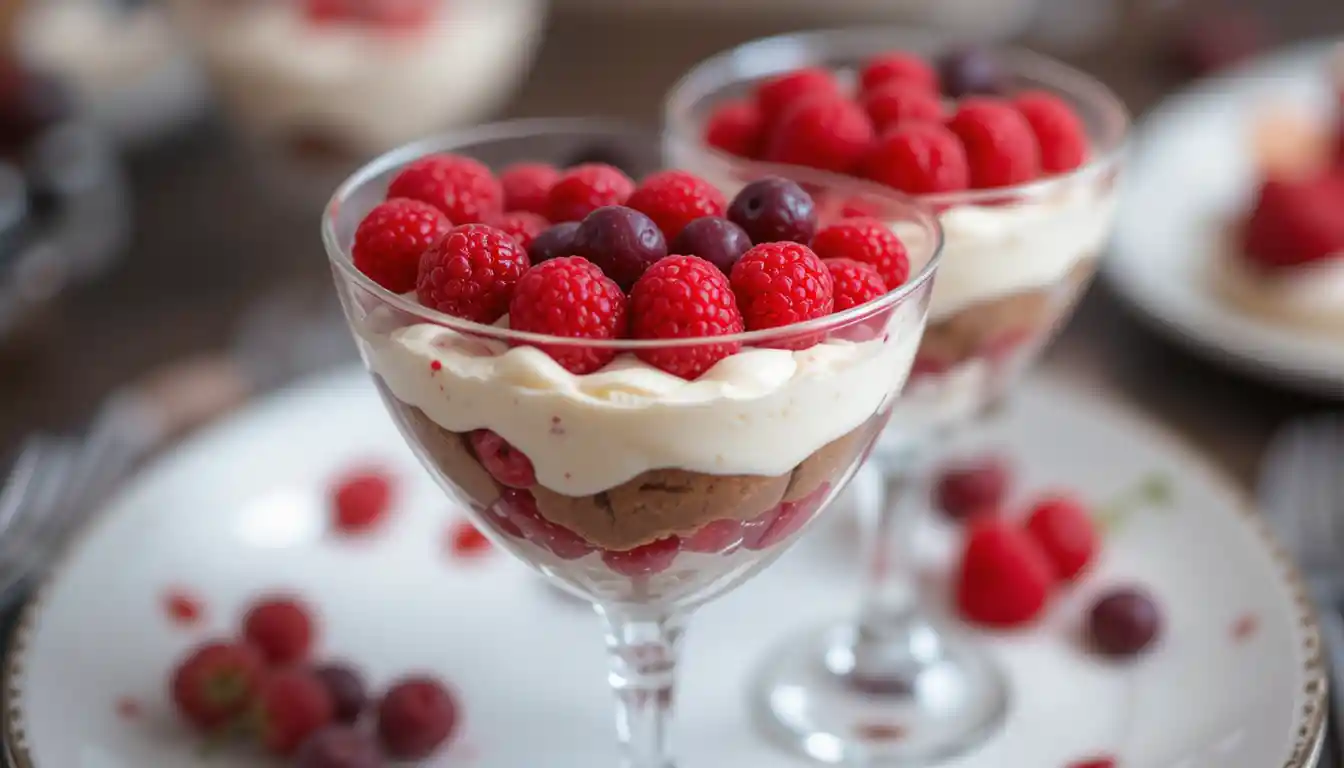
column 970, row 71
column 1123, row 623
column 775, row 210
column 606, row 154
column 339, row 746
column 348, row 692
column 416, row 717
column 622, row 241
column 970, row 488
column 718, row 241
column 553, row 242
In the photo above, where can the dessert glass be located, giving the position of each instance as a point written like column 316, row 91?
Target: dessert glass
column 1015, row 261
column 646, row 495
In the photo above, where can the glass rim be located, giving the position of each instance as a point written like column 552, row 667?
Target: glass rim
column 703, row 79
column 517, row 129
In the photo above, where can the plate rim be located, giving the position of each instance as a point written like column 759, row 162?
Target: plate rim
column 1307, row 743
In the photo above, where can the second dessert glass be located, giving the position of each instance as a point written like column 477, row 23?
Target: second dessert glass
column 639, row 491
column 893, row 684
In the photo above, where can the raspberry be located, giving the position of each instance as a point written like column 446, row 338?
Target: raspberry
column 390, row 240
column 1000, row 145
column 281, row 628
column 647, row 560
column 621, row 241
column 339, row 747
column 718, row 241
column 1064, row 531
column 416, row 716
column 772, row 209
column 216, row 683
column 349, row 693
column 898, row 67
column 466, row 540
column 462, row 188
column 780, row 284
column 471, row 273
column 856, row 283
column 505, row 463
column 570, row 297
column 822, row 132
column 1123, row 623
column 519, row 508
column 868, row 241
column 1296, row 222
column 360, row 501
column 684, row 297
column 1004, row 579
column 554, row 242
column 783, row 521
column 978, row 486
column 527, row 186
column 1059, row 132
column 918, row 159
column 736, row 127
column 292, row 705
column 779, row 94
column 521, row 226
column 715, row 537
column 584, row 188
column 674, row 199
column 900, row 102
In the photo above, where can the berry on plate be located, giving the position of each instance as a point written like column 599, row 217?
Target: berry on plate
column 856, row 283
column 1123, row 623
column 527, row 186
column 471, row 273
column 416, row 717
column 339, row 746
column 646, row 560
column 584, row 188
column 554, row 242
column 684, row 297
column 779, row 94
column 216, row 683
column 1065, row 532
column 674, row 199
column 718, row 241
column 1004, row 579
column 821, row 132
column 349, row 693
column 390, row 240
column 463, row 188
column 521, row 226
column 1059, row 132
column 736, row 127
column 918, row 159
column 772, row 210
column 360, row 500
column 780, row 284
column 570, row 297
column 898, row 67
column 292, row 705
column 999, row 142
column 974, row 487
column 1296, row 222
column 508, row 465
column 281, row 628
column 869, row 241
column 622, row 241
column 900, row 102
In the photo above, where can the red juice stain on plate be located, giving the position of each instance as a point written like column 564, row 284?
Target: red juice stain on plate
column 1094, row 762
column 182, row 608
column 465, row 540
column 1245, row 627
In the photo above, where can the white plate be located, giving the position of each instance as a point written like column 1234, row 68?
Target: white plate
column 240, row 509
column 1190, row 174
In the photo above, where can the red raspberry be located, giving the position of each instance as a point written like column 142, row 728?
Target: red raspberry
column 999, row 143
column 1064, row 531
column 869, row 241
column 281, row 628
column 736, row 127
column 360, row 500
column 570, row 297
column 462, row 188
column 683, row 297
column 900, row 102
column 519, row 508
column 416, row 716
column 780, row 284
column 216, row 683
column 584, row 188
column 674, row 199
column 527, row 186
column 783, row 521
column 521, row 226
column 918, row 159
column 822, row 132
column 647, row 560
column 715, row 537
column 505, row 463
column 898, row 67
column 1296, row 222
column 1004, row 579
column 292, row 705
column 1059, row 132
column 975, row 487
column 471, row 273
column 856, row 283
column 391, row 239
column 466, row 540
column 779, row 94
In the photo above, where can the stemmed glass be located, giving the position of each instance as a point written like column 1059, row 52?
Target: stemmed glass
column 1015, row 261
column 640, row 492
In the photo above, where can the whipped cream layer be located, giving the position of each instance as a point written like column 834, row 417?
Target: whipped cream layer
column 1309, row 296
column 758, row 412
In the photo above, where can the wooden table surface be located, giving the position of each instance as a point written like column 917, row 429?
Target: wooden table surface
column 205, row 244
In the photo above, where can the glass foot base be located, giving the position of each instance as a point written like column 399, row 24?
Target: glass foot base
column 809, row 699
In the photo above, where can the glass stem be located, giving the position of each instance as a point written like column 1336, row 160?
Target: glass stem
column 642, row 654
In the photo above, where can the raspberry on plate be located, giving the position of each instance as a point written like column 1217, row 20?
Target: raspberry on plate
column 506, row 464
column 281, row 628
column 898, row 67
column 390, row 240
column 527, row 186
column 1066, row 534
column 621, row 241
column 899, row 102
column 684, row 297
column 1004, row 579
column 736, row 127
column 918, row 159
column 823, row 132
column 584, row 188
column 1296, row 222
column 570, row 297
column 216, row 683
column 856, row 283
column 471, row 273
column 869, row 241
column 674, row 199
column 777, row 95
column 1059, row 132
column 416, row 716
column 523, row 226
column 780, row 284
column 464, row 189
column 999, row 142
column 292, row 705
column 360, row 500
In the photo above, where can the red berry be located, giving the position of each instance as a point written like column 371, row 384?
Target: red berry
column 1066, row 534
column 527, row 186
column 519, row 508
column 822, row 132
column 856, row 283
column 974, row 487
column 783, row 521
column 416, row 716
column 292, row 705
column 869, row 241
column 918, row 159
column 715, row 537
column 570, row 297
column 1004, row 579
column 779, row 94
column 466, row 540
column 646, row 560
column 471, row 273
column 898, row 67
column 684, row 297
column 780, row 284
column 361, row 500
column 1296, row 222
column 462, row 188
column 674, row 199
column 1123, row 623
column 1059, row 132
column 281, row 628
column 521, row 226
column 900, row 102
column 736, row 127
column 390, row 240
column 338, row 746
column 584, row 188
column 999, row 142
column 216, row 683
column 349, row 693
column 505, row 463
